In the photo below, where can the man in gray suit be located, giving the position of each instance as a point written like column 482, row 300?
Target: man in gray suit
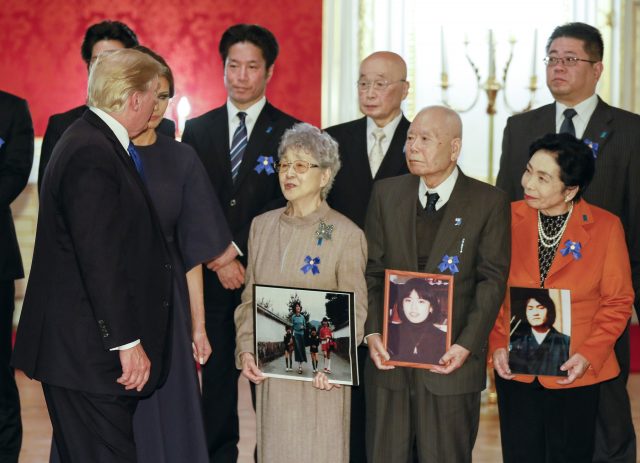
column 434, row 220
column 574, row 66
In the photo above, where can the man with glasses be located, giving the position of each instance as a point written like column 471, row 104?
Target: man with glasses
column 574, row 65
column 103, row 36
column 371, row 148
column 238, row 145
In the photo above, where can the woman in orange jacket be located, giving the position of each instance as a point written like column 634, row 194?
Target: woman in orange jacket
column 561, row 241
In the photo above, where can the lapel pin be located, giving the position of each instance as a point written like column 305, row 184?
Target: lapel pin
column 269, row 129
column 1, row 142
column 603, row 135
column 265, row 163
column 461, row 245
column 457, row 222
column 573, row 248
column 594, row 147
column 584, row 217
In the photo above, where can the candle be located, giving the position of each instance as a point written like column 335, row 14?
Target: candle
column 492, row 57
column 443, row 53
column 184, row 109
column 534, row 61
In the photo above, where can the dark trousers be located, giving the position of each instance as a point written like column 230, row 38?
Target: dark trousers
column 444, row 428
column 615, row 437
column 88, row 427
column 220, row 392
column 10, row 424
column 540, row 425
column 357, row 449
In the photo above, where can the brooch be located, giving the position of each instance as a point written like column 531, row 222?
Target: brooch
column 449, row 263
column 265, row 163
column 323, row 232
column 593, row 145
column 457, row 222
column 311, row 264
column 573, row 247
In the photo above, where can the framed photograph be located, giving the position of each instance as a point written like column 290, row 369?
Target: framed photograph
column 540, row 331
column 299, row 332
column 417, row 317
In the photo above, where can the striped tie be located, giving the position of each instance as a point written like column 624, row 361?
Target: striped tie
column 238, row 145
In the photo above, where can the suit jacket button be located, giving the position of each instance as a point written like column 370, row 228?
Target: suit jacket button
column 165, row 304
column 232, row 202
column 167, row 266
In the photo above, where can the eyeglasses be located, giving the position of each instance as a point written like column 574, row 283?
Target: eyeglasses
column 299, row 166
column 378, row 85
column 568, row 61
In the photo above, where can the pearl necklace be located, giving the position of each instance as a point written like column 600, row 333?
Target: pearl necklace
column 552, row 241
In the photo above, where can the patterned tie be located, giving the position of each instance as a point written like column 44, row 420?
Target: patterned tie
column 432, row 199
column 135, row 157
column 567, row 125
column 238, row 145
column 377, row 154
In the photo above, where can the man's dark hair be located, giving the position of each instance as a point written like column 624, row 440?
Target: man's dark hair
column 257, row 35
column 106, row 30
column 574, row 157
column 590, row 36
column 545, row 301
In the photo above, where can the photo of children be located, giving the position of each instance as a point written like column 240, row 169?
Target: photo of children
column 314, row 322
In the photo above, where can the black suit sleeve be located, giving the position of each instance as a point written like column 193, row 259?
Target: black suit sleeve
column 92, row 211
column 51, row 137
column 375, row 263
column 506, row 180
column 16, row 152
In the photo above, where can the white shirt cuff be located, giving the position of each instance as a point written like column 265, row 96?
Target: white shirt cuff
column 127, row 346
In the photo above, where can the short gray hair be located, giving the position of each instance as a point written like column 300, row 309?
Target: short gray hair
column 317, row 144
column 117, row 74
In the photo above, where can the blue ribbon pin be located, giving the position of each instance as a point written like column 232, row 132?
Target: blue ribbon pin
column 311, row 264
column 265, row 163
column 449, row 263
column 573, row 247
column 1, row 142
column 269, row 129
column 594, row 147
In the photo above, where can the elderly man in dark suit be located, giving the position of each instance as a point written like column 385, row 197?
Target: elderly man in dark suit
column 435, row 220
column 16, row 157
column 238, row 144
column 103, row 36
column 95, row 316
column 371, row 148
column 574, row 66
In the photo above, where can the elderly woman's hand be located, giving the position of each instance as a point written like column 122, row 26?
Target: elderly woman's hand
column 378, row 353
column 501, row 363
column 321, row 381
column 249, row 368
column 576, row 366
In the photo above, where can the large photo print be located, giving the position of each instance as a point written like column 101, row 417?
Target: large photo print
column 300, row 332
column 417, row 318
column 540, row 332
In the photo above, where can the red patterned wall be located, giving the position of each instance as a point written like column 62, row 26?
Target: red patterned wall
column 40, row 48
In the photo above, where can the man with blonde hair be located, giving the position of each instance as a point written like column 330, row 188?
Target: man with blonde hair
column 94, row 321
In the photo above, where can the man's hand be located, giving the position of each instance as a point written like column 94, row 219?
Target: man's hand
column 576, row 366
column 231, row 276
column 501, row 363
column 249, row 368
column 136, row 368
column 378, row 353
column 223, row 259
column 453, row 359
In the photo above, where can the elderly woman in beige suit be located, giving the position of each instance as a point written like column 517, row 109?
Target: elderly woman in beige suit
column 279, row 242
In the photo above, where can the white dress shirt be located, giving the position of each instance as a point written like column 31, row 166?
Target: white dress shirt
column 389, row 130
column 252, row 111
column 444, row 190
column 584, row 111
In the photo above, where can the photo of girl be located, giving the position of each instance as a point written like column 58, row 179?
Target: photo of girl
column 326, row 337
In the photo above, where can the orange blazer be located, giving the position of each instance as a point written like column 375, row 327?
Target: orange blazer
column 599, row 281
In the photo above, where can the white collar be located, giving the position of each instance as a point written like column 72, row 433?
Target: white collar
column 389, row 129
column 252, row 111
column 116, row 127
column 444, row 190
